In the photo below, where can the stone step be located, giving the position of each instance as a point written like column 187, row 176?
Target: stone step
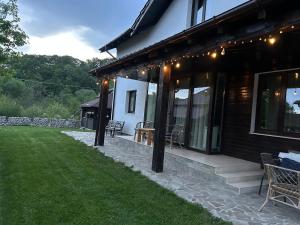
column 248, row 166
column 237, row 177
column 247, row 186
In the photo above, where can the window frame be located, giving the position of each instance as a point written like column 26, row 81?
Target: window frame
column 130, row 102
column 255, row 119
column 195, row 9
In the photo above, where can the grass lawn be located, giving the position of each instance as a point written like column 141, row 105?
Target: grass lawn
column 47, row 178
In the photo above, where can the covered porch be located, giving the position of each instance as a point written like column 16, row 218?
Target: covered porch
column 192, row 177
column 205, row 78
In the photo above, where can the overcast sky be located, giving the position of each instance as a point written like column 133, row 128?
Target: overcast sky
column 75, row 27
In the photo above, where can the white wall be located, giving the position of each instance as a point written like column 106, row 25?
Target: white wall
column 124, row 85
column 173, row 21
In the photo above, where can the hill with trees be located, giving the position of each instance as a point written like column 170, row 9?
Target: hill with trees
column 46, row 86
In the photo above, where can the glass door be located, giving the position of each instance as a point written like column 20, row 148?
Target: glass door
column 199, row 111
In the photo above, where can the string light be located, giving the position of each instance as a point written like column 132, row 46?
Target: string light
column 165, row 68
column 272, row 40
column 223, row 51
column 214, row 55
column 219, row 50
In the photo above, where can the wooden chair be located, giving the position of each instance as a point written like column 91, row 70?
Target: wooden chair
column 284, row 186
column 114, row 127
column 176, row 136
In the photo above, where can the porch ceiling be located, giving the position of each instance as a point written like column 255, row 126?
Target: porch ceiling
column 253, row 19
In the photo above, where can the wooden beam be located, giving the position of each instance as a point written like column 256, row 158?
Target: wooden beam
column 161, row 118
column 100, row 132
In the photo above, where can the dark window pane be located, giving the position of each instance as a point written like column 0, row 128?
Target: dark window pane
column 268, row 102
column 131, row 103
column 292, row 104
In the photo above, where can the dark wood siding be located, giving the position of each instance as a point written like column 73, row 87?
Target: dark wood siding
column 237, row 141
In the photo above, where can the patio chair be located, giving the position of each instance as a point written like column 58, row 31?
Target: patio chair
column 267, row 158
column 119, row 125
column 144, row 124
column 284, row 186
column 176, row 136
column 114, row 126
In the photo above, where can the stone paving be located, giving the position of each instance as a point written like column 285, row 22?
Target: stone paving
column 195, row 186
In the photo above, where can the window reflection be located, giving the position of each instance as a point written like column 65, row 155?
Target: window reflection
column 216, row 7
column 269, row 96
column 292, row 104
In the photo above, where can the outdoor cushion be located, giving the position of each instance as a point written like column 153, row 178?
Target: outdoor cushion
column 290, row 164
column 292, row 156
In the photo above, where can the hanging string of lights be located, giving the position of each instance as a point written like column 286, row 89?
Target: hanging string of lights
column 213, row 52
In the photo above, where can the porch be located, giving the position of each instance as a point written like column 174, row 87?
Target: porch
column 191, row 176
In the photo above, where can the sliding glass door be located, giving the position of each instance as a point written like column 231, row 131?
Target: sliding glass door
column 192, row 106
column 201, row 94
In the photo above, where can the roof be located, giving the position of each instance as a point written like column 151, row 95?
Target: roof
column 149, row 15
column 95, row 102
column 232, row 18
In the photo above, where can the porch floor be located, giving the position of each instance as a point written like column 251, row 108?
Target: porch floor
column 195, row 184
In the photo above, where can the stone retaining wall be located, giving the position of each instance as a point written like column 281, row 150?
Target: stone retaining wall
column 39, row 122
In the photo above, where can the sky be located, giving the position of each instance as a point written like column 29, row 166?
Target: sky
column 75, row 27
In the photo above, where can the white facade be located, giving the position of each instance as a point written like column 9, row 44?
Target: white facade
column 173, row 21
column 123, row 86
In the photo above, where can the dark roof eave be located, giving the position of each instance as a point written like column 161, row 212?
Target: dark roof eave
column 213, row 22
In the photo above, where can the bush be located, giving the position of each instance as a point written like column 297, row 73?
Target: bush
column 57, row 110
column 9, row 107
column 34, row 111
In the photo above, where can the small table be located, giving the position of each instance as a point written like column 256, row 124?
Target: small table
column 145, row 131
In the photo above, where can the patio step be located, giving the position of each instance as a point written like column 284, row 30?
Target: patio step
column 247, row 166
column 237, row 177
column 247, row 186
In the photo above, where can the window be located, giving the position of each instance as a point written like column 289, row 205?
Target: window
column 131, row 101
column 216, row 7
column 151, row 102
column 198, row 15
column 278, row 103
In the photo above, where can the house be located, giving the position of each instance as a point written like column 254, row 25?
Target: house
column 228, row 71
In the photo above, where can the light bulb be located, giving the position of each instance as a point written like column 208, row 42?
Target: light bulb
column 214, row 55
column 272, row 40
column 177, row 65
column 223, row 51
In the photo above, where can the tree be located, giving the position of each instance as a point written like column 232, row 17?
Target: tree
column 11, row 35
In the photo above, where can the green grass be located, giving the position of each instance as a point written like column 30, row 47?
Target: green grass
column 47, row 178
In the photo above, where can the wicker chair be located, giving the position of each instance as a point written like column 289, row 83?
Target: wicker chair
column 176, row 136
column 284, row 186
column 267, row 158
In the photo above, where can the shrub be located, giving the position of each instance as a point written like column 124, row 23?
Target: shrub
column 34, row 111
column 57, row 110
column 9, row 107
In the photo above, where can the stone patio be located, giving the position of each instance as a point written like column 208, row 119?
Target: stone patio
column 194, row 184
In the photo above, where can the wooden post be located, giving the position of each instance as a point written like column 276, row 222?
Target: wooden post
column 161, row 113
column 100, row 132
